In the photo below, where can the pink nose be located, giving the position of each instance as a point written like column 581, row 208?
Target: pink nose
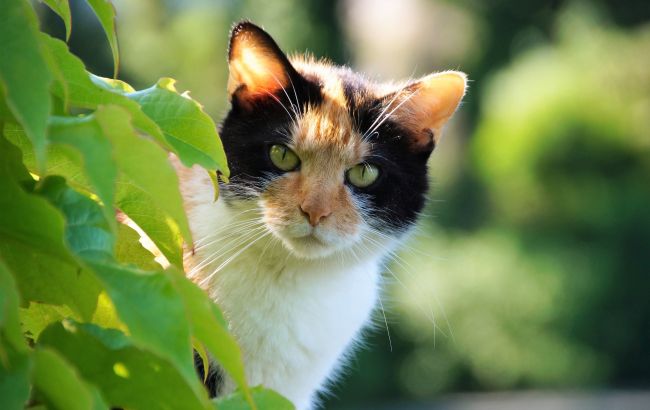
column 315, row 212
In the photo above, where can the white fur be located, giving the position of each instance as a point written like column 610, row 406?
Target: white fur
column 294, row 318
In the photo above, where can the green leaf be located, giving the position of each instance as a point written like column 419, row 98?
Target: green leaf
column 60, row 385
column 144, row 166
column 111, row 84
column 15, row 367
column 87, row 232
column 265, row 399
column 85, row 135
column 130, row 251
column 37, row 316
column 209, row 328
column 82, row 89
column 203, row 355
column 152, row 310
column 24, row 73
column 128, row 376
column 105, row 12
column 187, row 128
column 145, row 301
column 32, row 243
column 162, row 230
column 62, row 8
column 134, row 202
column 9, row 319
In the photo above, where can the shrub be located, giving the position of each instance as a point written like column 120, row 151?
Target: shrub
column 87, row 318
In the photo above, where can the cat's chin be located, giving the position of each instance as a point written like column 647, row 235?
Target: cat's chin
column 309, row 247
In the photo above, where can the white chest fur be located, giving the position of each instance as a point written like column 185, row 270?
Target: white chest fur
column 294, row 319
column 294, row 322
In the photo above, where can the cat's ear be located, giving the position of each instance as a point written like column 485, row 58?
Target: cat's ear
column 427, row 104
column 258, row 68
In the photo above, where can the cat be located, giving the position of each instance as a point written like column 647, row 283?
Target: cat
column 328, row 176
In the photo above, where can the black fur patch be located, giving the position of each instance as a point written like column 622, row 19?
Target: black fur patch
column 248, row 132
column 214, row 382
column 399, row 193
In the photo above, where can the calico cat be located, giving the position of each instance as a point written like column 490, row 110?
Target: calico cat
column 328, row 175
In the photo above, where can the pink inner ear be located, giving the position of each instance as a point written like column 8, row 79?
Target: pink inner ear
column 428, row 104
column 255, row 70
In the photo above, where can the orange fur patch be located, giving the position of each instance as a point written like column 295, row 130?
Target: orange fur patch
column 324, row 139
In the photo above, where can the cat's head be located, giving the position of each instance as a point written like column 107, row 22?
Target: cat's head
column 327, row 155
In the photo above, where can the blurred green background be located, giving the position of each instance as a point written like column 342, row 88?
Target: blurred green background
column 531, row 268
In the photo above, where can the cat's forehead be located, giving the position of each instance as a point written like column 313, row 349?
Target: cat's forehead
column 331, row 123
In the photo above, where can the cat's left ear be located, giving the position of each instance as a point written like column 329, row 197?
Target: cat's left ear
column 258, row 68
column 426, row 105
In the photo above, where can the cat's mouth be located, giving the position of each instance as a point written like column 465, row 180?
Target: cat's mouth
column 310, row 245
column 312, row 239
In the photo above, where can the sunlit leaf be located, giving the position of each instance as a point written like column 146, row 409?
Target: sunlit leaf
column 111, row 84
column 133, row 201
column 144, row 165
column 24, row 74
column 130, row 251
column 187, row 128
column 81, row 89
column 128, row 376
column 161, row 228
column 152, row 310
column 37, row 316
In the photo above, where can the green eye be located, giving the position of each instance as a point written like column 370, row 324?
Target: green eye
column 363, row 175
column 283, row 158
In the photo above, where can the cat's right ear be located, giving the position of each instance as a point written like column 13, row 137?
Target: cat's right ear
column 258, row 68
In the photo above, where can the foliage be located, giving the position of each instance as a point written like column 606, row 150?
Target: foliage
column 552, row 290
column 87, row 318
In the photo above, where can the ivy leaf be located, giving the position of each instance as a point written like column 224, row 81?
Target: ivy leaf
column 62, row 8
column 60, row 385
column 265, row 399
column 208, row 328
column 24, row 74
column 105, row 12
column 81, row 89
column 189, row 130
column 32, row 243
column 128, row 376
